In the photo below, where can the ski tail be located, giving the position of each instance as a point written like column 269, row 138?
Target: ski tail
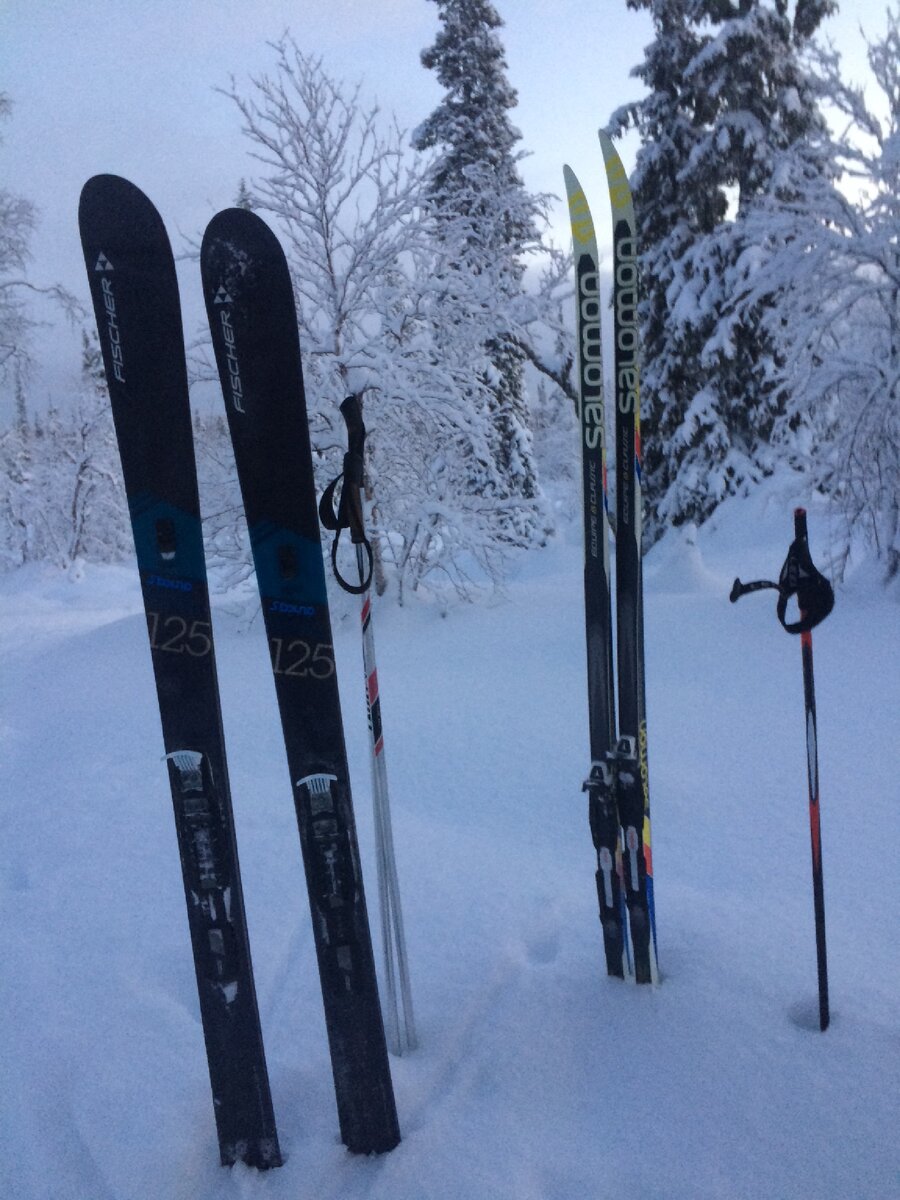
column 629, row 575
column 602, row 807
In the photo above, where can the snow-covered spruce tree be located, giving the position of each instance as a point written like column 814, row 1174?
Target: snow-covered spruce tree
column 486, row 221
column 745, row 98
column 838, row 324
column 376, row 302
column 673, row 214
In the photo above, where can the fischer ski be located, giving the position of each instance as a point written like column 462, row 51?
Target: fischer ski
column 252, row 316
column 631, row 752
column 348, row 514
column 815, row 599
column 600, row 785
column 135, row 295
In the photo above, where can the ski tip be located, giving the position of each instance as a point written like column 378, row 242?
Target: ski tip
column 572, row 184
column 255, row 236
column 115, row 211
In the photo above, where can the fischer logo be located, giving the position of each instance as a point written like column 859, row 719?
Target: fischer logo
column 627, row 369
column 112, row 325
column 234, row 370
column 591, row 358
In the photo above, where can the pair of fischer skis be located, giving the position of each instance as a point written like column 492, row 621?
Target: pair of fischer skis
column 252, row 316
column 618, row 784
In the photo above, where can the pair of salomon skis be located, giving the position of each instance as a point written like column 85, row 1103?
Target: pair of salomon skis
column 617, row 786
column 252, row 316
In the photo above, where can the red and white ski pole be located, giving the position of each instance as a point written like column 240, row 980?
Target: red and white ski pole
column 399, row 1020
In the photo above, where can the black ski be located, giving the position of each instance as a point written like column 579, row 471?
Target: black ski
column 252, row 316
column 134, row 289
column 601, row 784
column 630, row 760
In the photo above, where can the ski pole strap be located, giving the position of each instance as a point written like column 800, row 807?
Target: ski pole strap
column 348, row 514
column 799, row 577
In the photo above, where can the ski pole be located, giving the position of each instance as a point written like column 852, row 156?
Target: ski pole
column 815, row 599
column 349, row 515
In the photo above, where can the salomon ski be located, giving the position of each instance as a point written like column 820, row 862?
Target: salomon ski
column 601, row 783
column 633, row 791
column 133, row 286
column 252, row 316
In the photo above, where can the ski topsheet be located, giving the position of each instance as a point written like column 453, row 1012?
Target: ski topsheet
column 634, row 786
column 252, row 316
column 602, row 808
column 134, row 290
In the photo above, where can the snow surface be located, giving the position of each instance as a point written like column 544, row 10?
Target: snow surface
column 537, row 1078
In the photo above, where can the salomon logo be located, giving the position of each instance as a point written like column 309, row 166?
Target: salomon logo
column 234, row 371
column 591, row 358
column 627, row 376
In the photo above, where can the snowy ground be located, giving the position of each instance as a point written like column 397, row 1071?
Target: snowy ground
column 537, row 1077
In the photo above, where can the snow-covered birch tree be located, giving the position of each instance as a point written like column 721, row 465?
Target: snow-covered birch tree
column 835, row 251
column 18, row 218
column 383, row 313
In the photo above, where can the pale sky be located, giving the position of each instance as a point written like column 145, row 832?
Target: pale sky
column 128, row 87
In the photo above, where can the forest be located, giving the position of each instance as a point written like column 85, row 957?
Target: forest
column 766, row 192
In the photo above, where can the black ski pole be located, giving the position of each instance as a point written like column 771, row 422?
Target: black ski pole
column 815, row 599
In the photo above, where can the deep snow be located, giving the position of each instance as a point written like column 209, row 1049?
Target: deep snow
column 537, row 1078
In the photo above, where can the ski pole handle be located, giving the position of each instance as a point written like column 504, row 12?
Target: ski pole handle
column 354, row 470
column 349, row 512
column 351, row 411
column 800, row 578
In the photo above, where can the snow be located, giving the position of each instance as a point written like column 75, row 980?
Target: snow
column 538, row 1078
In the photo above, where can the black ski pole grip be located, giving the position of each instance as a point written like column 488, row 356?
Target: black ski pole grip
column 351, row 411
column 349, row 512
column 799, row 577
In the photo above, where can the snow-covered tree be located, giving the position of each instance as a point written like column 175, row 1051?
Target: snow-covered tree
column 486, row 220
column 382, row 312
column 61, row 495
column 730, row 94
column 674, row 213
column 18, row 218
column 836, row 253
